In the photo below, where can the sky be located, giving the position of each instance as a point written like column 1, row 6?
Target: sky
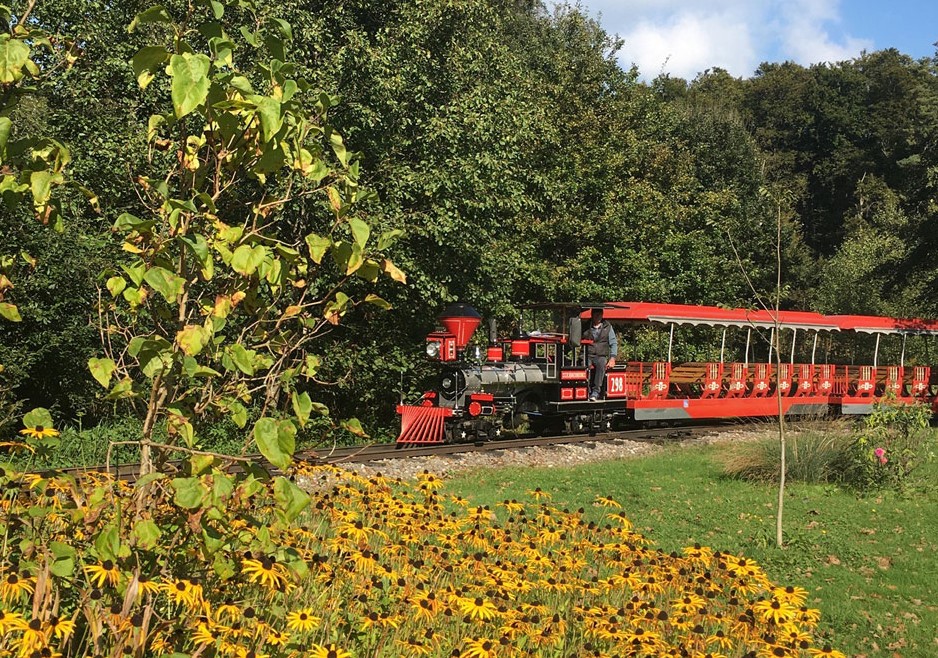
column 686, row 37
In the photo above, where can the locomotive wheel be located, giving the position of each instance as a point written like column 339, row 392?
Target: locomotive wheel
column 527, row 413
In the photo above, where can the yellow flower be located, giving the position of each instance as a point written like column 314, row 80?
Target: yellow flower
column 331, row 651
column 39, row 432
column 539, row 494
column 61, row 628
column 607, row 501
column 205, row 635
column 265, row 571
column 793, row 595
column 11, row 621
column 479, row 648
column 477, row 608
column 13, row 585
column 775, row 610
column 302, row 621
column 105, row 572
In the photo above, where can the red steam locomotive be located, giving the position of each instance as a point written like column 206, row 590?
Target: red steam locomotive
column 537, row 378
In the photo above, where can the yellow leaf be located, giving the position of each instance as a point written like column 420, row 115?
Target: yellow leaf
column 132, row 248
column 236, row 298
column 222, row 306
column 334, row 198
column 392, row 271
column 291, row 311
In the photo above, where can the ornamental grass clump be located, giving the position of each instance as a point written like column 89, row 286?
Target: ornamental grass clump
column 212, row 564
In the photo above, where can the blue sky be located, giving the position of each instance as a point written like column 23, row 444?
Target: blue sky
column 685, row 37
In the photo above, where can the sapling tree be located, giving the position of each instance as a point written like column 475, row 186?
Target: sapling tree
column 248, row 235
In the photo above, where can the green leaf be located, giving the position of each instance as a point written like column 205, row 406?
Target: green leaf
column 388, row 238
column 369, row 271
column 155, row 14
column 108, row 544
column 38, row 417
column 268, row 109
column 354, row 426
column 284, row 27
column 40, row 183
column 302, row 407
column 338, row 146
column 63, row 564
column 242, row 358
column 250, row 37
column 101, row 370
column 246, row 259
column 6, row 127
column 13, row 56
column 135, row 272
column 239, row 413
column 318, row 246
column 144, row 480
column 192, row 338
column 190, row 81
column 146, row 534
column 125, row 223
column 165, row 282
column 218, row 9
column 360, row 231
column 146, row 61
column 291, row 500
column 349, row 257
column 10, row 312
column 276, row 440
column 189, row 492
column 115, row 285
column 377, row 301
column 122, row 389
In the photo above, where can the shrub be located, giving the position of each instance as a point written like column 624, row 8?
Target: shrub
column 893, row 442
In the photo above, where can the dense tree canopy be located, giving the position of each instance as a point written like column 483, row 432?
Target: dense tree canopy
column 521, row 163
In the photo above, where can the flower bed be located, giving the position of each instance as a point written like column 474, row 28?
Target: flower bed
column 245, row 566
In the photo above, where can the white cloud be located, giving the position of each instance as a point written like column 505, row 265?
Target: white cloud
column 689, row 43
column 805, row 38
column 686, row 37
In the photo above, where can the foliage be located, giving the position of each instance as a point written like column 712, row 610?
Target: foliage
column 811, row 455
column 243, row 565
column 894, row 443
column 226, row 285
column 32, row 167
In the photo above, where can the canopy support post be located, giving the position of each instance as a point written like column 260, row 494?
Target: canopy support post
column 772, row 343
column 814, row 349
column 794, row 335
column 748, row 339
column 876, row 353
column 670, row 342
column 902, row 358
column 723, row 345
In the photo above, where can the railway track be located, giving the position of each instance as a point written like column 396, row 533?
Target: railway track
column 378, row 452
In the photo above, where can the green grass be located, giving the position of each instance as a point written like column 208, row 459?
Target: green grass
column 870, row 564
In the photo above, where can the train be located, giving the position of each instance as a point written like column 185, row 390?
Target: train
column 750, row 363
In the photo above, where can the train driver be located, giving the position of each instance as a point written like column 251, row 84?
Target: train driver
column 602, row 353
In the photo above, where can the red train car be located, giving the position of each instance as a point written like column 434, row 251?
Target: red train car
column 738, row 363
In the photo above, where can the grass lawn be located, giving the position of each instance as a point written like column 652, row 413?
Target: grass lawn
column 870, row 564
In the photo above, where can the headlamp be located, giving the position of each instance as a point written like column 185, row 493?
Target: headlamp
column 433, row 350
